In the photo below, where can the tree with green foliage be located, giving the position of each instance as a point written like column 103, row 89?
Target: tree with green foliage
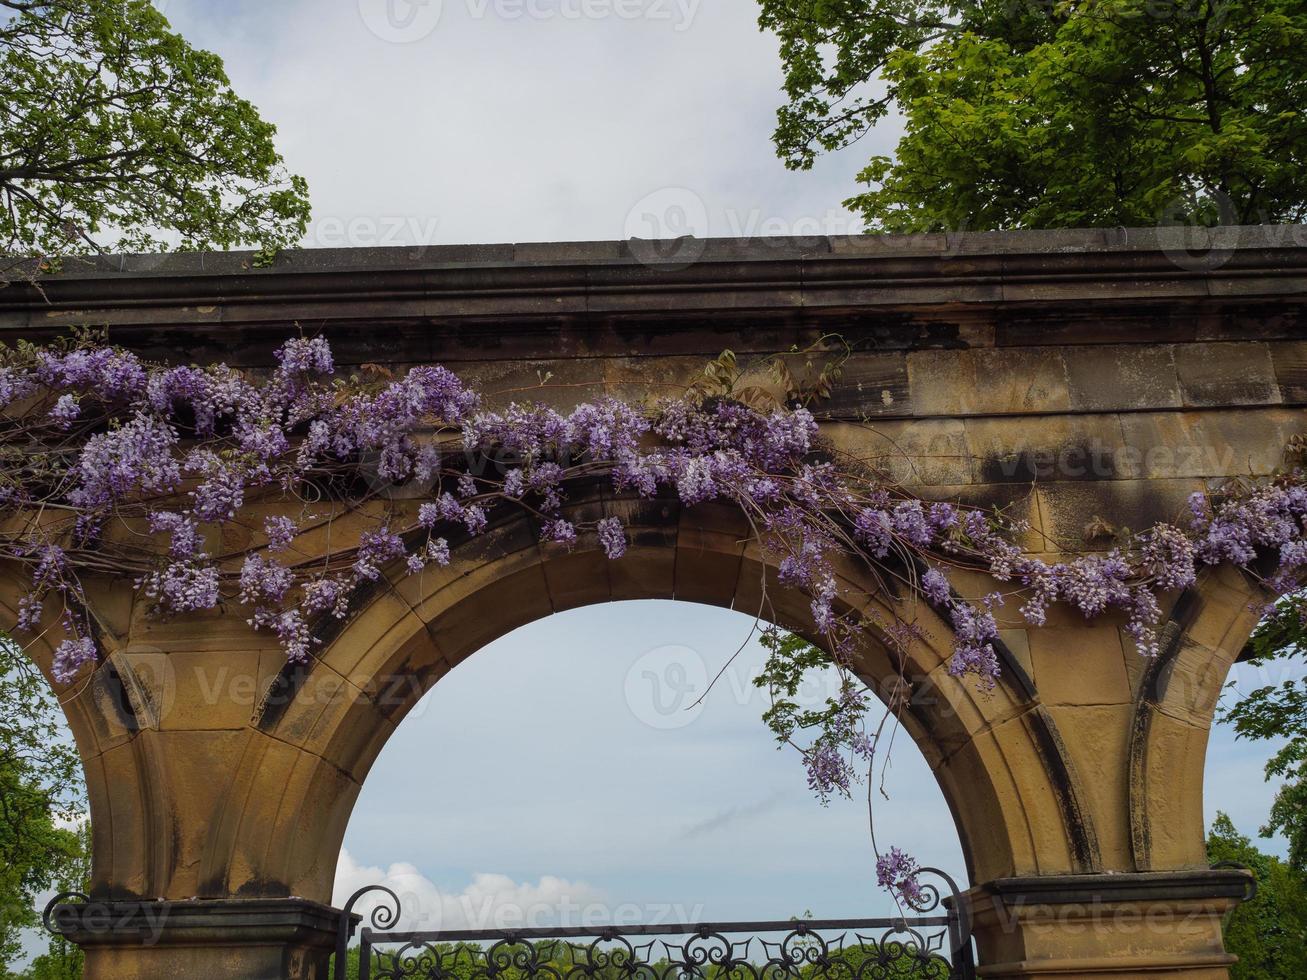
column 1268, row 933
column 352, row 957
column 1280, row 712
column 1035, row 114
column 115, row 132
column 32, row 849
column 40, row 796
column 63, row 960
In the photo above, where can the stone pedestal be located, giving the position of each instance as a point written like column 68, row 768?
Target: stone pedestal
column 1160, row 924
column 257, row 939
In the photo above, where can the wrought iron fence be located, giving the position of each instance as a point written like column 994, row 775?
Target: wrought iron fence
column 933, row 943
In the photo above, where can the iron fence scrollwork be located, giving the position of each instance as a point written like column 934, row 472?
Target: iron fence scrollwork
column 933, row 942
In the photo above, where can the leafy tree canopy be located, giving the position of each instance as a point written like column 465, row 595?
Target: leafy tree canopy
column 114, row 132
column 1268, row 933
column 63, row 960
column 1280, row 712
column 40, row 791
column 1053, row 113
column 1282, row 632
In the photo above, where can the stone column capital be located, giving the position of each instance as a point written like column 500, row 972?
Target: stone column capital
column 259, row 939
column 1056, row 927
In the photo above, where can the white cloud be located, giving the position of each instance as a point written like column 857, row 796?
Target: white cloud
column 489, row 901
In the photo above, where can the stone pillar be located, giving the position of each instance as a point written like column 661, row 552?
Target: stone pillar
column 1060, row 927
column 253, row 939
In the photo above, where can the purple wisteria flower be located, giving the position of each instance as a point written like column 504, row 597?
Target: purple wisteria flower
column 30, row 609
column 829, row 771
column 184, row 534
column 899, row 872
column 138, row 457
column 183, row 586
column 438, row 551
column 51, row 566
column 975, row 631
column 264, row 581
column 70, row 656
column 327, row 595
column 1169, row 557
column 560, row 532
column 113, row 375
column 301, row 356
column 943, row 517
column 474, row 519
column 613, row 537
column 221, row 491
column 515, row 485
column 15, row 385
column 824, row 590
column 290, row 628
column 376, row 548
column 183, row 449
column 874, row 529
column 65, row 411
column 280, row 531
column 447, row 508
column 911, row 525
column 935, row 586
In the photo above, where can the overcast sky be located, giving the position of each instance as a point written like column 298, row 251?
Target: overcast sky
column 570, row 750
column 541, row 772
column 516, row 120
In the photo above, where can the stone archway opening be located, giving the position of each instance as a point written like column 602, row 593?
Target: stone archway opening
column 573, row 757
column 338, row 713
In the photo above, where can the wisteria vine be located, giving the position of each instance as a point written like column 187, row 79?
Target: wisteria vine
column 112, row 466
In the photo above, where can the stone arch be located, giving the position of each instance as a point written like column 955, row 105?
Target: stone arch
column 195, row 794
column 1100, row 371
column 1012, row 787
column 101, row 715
column 1175, row 707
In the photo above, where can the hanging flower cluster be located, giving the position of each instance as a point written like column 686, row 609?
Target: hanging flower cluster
column 899, row 872
column 109, row 465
